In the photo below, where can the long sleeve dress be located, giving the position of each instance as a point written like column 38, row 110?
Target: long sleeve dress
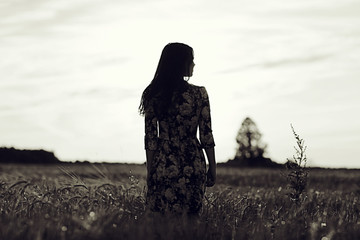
column 177, row 175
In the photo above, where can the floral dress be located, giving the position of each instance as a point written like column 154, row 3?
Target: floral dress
column 177, row 177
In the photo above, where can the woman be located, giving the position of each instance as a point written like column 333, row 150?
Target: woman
column 174, row 109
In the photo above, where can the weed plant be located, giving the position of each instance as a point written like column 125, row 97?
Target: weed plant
column 298, row 174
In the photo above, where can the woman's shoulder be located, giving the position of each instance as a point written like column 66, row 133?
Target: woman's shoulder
column 201, row 90
column 196, row 87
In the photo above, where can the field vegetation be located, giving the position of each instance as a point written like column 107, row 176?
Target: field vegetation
column 106, row 201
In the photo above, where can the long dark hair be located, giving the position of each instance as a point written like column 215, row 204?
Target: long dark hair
column 173, row 66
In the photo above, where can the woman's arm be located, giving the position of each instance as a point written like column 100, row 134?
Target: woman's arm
column 206, row 137
column 149, row 160
column 151, row 133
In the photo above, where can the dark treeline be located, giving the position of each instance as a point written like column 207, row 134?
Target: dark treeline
column 13, row 155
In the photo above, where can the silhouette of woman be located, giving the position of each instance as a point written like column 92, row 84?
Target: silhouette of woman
column 174, row 110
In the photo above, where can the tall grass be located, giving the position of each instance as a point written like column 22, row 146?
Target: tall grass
column 245, row 204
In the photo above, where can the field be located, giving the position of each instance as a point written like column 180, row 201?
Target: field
column 106, row 201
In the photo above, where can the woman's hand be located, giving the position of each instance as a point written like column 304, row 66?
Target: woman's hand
column 210, row 178
column 211, row 174
column 147, row 178
column 149, row 159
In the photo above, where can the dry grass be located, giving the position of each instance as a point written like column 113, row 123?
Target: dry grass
column 107, row 202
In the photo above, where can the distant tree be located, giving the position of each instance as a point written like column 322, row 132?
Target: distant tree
column 250, row 151
column 249, row 140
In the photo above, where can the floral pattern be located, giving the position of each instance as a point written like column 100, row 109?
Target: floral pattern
column 177, row 177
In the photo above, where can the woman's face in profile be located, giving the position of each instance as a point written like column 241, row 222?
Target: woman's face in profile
column 191, row 68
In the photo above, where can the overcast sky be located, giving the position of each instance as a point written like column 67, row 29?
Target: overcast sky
column 72, row 72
